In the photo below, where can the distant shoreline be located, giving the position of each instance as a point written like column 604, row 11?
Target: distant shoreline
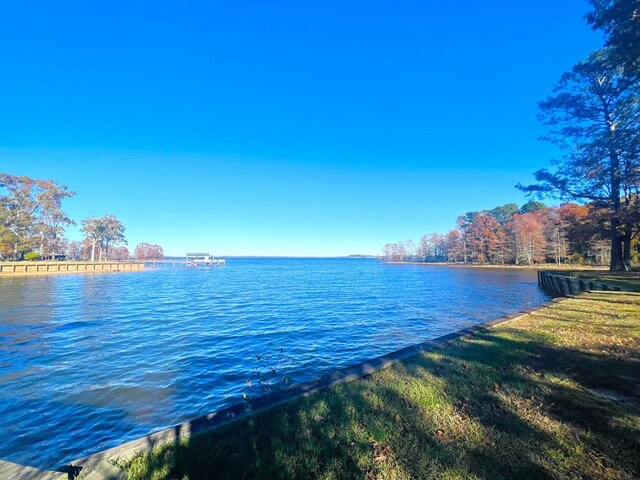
column 302, row 257
column 540, row 266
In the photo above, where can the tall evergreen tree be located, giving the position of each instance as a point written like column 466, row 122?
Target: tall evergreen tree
column 620, row 22
column 593, row 115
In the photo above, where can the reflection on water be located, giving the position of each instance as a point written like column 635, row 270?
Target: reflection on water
column 90, row 361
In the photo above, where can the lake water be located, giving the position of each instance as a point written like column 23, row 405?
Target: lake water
column 90, row 361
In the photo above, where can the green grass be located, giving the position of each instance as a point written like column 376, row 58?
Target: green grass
column 554, row 394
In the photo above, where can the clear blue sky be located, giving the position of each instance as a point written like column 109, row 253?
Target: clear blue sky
column 275, row 127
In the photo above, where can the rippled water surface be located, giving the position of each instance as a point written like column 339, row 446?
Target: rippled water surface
column 90, row 361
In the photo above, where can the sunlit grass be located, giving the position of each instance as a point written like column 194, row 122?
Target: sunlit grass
column 554, row 394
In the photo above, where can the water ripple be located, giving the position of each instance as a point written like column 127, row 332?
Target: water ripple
column 90, row 361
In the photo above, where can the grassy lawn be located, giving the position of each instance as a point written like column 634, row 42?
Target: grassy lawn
column 555, row 394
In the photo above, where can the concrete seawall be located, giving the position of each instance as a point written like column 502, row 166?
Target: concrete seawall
column 49, row 268
column 249, row 407
column 558, row 284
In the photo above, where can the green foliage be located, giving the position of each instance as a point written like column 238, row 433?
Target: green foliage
column 620, row 22
column 577, row 259
column 504, row 213
column 31, row 256
column 107, row 230
column 532, row 206
column 593, row 116
column 31, row 214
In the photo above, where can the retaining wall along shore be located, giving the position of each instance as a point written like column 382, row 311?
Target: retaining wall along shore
column 44, row 268
column 558, row 284
column 561, row 285
column 251, row 406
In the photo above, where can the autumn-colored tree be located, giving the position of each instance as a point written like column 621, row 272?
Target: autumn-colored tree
column 87, row 249
column 454, row 246
column 563, row 225
column 463, row 222
column 18, row 213
column 432, row 248
column 422, row 252
column 569, row 233
column 120, row 253
column 148, row 251
column 484, row 236
column 105, row 232
column 556, row 234
column 530, row 241
column 386, row 252
column 31, row 214
column 73, row 250
column 112, row 233
column 410, row 250
column 52, row 220
column 91, row 229
column 395, row 252
column 439, row 247
column 636, row 250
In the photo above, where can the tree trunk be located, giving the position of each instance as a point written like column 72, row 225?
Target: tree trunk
column 617, row 263
column 93, row 251
column 464, row 249
column 626, row 250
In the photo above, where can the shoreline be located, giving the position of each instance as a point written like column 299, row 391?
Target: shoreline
column 242, row 410
column 182, row 433
column 539, row 266
column 551, row 393
column 28, row 269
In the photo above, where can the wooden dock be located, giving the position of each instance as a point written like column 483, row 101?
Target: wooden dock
column 203, row 260
column 192, row 260
column 164, row 263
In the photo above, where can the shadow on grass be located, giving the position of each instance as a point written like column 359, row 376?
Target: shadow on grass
column 505, row 403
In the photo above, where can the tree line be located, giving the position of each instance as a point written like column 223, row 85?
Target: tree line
column 593, row 116
column 512, row 235
column 33, row 226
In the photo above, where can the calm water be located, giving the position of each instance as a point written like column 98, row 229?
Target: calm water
column 90, row 361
